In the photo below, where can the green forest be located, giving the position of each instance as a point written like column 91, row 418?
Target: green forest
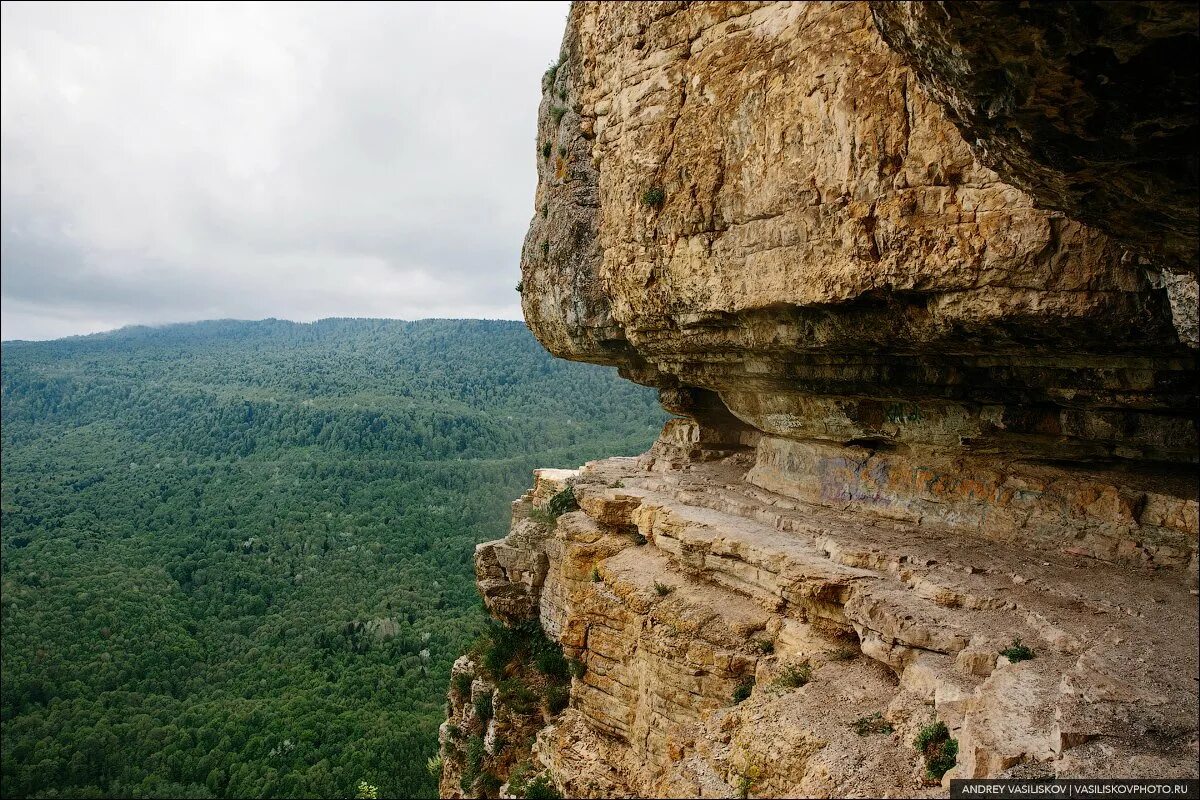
column 236, row 556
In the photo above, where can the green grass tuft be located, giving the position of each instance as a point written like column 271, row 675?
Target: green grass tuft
column 940, row 752
column 461, row 683
column 563, row 502
column 1017, row 652
column 654, row 197
column 872, row 723
column 795, row 676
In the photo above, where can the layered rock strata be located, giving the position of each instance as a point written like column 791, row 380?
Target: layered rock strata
column 924, row 417
column 675, row 588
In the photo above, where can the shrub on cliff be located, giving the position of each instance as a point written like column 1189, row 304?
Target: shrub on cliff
column 560, row 504
column 551, row 73
column 654, row 197
column 937, row 748
column 500, row 647
column 461, row 683
column 484, row 708
column 489, row 785
column 557, row 698
column 473, row 764
column 540, row 788
column 549, row 660
column 795, row 676
column 1017, row 652
column 516, row 696
column 563, row 502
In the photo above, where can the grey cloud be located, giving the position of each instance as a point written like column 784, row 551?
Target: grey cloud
column 183, row 162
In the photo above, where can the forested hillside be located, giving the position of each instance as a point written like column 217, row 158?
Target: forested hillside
column 237, row 555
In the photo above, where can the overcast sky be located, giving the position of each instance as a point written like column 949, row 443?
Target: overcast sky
column 170, row 163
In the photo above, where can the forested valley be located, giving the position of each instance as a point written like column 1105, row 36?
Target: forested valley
column 236, row 556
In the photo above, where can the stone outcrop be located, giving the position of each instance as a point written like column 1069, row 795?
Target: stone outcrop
column 930, row 421
column 1091, row 107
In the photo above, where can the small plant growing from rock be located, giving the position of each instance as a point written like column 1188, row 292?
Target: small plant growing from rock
column 542, row 517
column 545, row 209
column 1017, row 652
column 557, row 113
column 562, row 150
column 516, row 696
column 795, row 676
column 552, row 72
column 520, row 286
column 617, row 485
column 474, row 763
column 940, row 752
column 595, row 575
column 872, row 723
column 518, row 776
column 563, row 502
column 765, row 646
column 743, row 690
column 662, row 589
column 562, row 93
column 654, row 197
column 545, row 248
column 549, row 661
column 746, row 780
column 557, row 698
column 461, row 683
column 639, row 538
column 540, row 788
column 483, row 707
column 576, row 668
column 434, row 765
column 843, row 654
column 547, row 148
column 489, row 784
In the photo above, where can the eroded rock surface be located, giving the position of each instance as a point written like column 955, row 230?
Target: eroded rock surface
column 924, row 418
column 828, row 255
column 674, row 588
column 1089, row 106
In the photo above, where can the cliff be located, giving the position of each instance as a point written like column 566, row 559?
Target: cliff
column 928, row 508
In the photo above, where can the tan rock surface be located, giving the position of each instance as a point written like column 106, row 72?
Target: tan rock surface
column 893, row 618
column 920, row 419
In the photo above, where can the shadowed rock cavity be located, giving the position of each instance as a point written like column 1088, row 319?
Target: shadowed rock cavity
column 1090, row 107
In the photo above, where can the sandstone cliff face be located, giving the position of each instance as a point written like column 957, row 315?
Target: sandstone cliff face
column 921, row 417
column 1091, row 107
